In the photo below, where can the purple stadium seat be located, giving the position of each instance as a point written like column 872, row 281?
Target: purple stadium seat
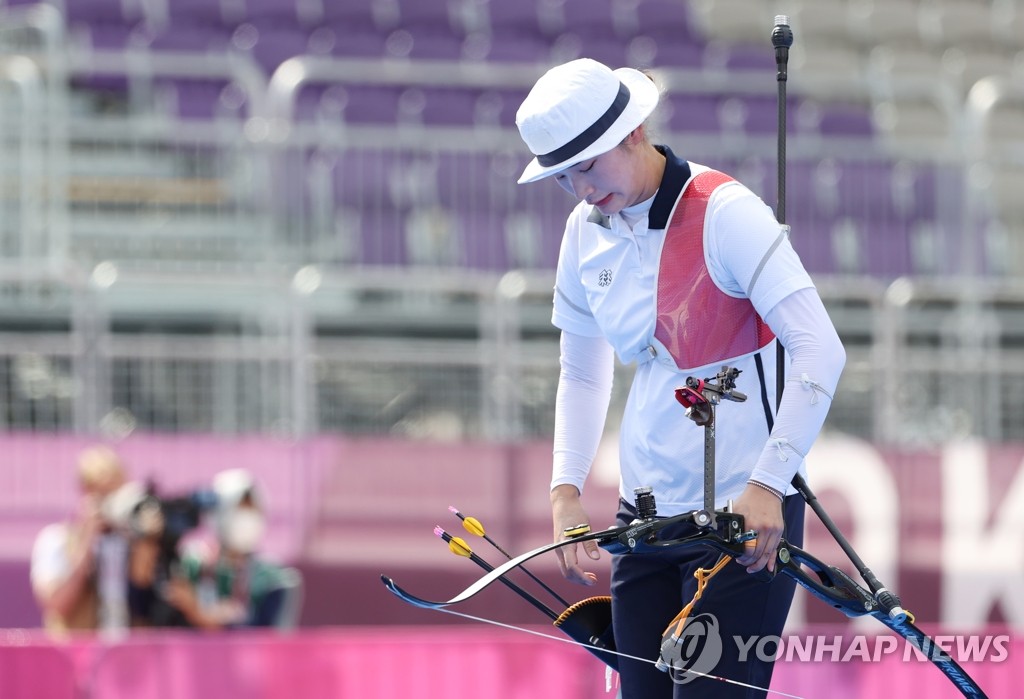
column 366, row 178
column 197, row 99
column 383, row 237
column 379, row 15
column 482, row 239
column 667, row 52
column 107, row 36
column 865, row 191
column 692, row 113
column 518, row 47
column 447, row 106
column 284, row 12
column 503, row 169
column 316, row 101
column 666, row 19
column 761, row 114
column 510, row 101
column 887, row 250
column 204, row 13
column 430, row 13
column 656, row 32
column 433, row 42
column 102, row 11
column 193, row 38
column 845, row 120
column 913, row 192
column 580, row 16
column 601, row 44
column 741, row 57
column 465, row 181
column 505, row 17
column 495, row 108
column 376, row 104
column 276, row 43
column 348, row 41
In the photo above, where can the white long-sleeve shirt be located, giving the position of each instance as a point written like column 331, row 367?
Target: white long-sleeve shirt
column 659, row 446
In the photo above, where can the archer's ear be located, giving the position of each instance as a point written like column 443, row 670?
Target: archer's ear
column 635, row 136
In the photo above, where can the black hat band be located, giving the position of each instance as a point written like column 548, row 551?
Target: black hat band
column 591, row 134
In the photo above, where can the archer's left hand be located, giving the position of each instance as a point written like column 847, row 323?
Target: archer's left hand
column 762, row 512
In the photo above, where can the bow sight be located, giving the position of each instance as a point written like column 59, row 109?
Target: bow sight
column 700, row 398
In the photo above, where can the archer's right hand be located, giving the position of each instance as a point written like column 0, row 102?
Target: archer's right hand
column 567, row 512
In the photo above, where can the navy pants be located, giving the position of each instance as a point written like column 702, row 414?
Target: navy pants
column 649, row 590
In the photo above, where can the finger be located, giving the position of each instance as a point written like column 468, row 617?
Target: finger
column 573, row 571
column 592, row 550
column 754, row 556
column 567, row 554
column 581, row 577
column 749, row 549
column 560, row 557
column 563, row 564
column 766, row 557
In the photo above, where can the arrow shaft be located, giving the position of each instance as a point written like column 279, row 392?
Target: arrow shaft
column 506, row 554
column 533, row 577
column 537, row 604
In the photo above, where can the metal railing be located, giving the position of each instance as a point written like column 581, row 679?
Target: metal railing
column 423, row 355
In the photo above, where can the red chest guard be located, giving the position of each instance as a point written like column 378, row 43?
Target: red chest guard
column 697, row 322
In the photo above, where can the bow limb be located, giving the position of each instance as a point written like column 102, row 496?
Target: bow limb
column 637, row 537
column 837, row 589
column 940, row 658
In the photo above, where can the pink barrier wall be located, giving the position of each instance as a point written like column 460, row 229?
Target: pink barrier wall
column 940, row 526
column 37, row 481
column 401, row 662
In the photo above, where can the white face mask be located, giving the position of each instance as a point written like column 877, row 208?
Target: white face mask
column 243, row 529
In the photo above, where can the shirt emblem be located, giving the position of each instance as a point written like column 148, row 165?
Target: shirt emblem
column 604, row 278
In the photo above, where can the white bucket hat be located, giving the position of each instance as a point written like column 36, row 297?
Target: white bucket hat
column 579, row 110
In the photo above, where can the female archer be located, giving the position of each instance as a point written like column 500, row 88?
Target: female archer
column 680, row 269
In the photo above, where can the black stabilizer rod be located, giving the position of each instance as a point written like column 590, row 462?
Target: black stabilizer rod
column 782, row 39
column 888, row 601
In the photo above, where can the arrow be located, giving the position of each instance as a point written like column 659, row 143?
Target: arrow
column 459, row 547
column 473, row 526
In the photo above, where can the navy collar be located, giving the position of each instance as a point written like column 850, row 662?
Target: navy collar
column 677, row 174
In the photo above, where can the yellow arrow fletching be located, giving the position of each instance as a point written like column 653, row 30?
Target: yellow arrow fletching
column 459, row 547
column 473, row 526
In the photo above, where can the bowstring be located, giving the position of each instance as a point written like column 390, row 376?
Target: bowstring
column 571, row 642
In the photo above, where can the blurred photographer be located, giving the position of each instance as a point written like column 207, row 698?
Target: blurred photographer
column 79, row 567
column 229, row 584
column 157, row 525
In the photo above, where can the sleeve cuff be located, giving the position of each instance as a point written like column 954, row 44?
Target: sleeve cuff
column 568, row 480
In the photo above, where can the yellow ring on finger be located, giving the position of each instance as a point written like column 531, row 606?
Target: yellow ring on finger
column 578, row 530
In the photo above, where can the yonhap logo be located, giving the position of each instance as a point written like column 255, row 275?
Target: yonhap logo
column 604, row 278
column 695, row 651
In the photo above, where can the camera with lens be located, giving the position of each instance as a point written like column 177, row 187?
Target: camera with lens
column 156, row 525
column 168, row 519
